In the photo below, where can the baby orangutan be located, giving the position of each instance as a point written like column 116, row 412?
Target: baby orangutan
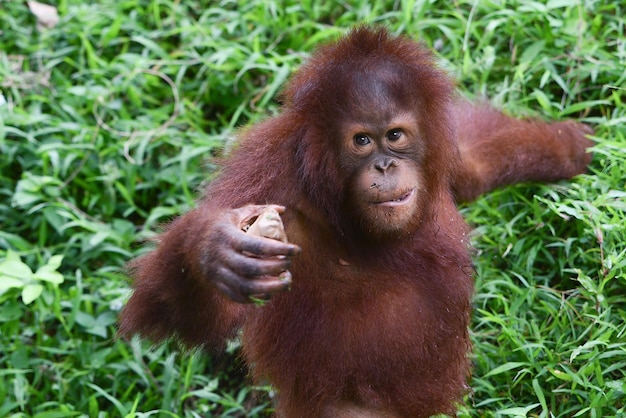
column 365, row 164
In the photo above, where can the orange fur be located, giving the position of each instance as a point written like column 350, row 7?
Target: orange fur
column 371, row 327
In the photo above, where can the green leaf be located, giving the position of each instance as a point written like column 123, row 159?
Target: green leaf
column 561, row 375
column 532, row 52
column 30, row 292
column 556, row 4
column 54, row 262
column 84, row 319
column 13, row 266
column 506, row 367
column 540, row 395
column 8, row 282
column 518, row 411
column 46, row 275
column 10, row 240
column 48, row 271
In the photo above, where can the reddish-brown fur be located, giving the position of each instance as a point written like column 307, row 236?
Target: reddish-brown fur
column 373, row 326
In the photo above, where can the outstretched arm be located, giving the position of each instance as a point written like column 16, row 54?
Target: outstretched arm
column 497, row 150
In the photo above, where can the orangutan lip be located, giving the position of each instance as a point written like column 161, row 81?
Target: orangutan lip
column 405, row 198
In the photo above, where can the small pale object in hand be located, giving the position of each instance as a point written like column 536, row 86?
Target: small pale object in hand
column 269, row 225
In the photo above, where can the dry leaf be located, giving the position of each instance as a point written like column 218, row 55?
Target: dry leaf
column 47, row 16
column 268, row 224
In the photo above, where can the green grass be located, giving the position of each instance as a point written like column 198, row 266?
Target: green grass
column 107, row 126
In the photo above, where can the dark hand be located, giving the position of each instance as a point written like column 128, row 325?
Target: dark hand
column 243, row 266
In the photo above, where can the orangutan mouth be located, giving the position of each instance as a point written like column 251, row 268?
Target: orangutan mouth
column 399, row 201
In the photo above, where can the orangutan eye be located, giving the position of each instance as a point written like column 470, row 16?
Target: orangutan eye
column 394, row 134
column 361, row 140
